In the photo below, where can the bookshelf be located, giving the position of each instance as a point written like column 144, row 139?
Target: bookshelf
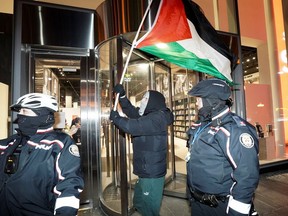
column 185, row 113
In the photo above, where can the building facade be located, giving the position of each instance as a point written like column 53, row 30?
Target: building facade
column 77, row 53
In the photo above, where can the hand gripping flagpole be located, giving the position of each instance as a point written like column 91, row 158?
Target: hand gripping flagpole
column 130, row 52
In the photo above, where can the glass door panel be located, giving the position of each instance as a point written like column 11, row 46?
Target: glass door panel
column 162, row 84
column 140, row 76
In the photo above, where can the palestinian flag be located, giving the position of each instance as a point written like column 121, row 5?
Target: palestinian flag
column 182, row 35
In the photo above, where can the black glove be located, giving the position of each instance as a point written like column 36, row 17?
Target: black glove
column 119, row 89
column 229, row 102
column 114, row 115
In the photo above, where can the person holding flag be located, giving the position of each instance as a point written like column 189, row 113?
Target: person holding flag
column 222, row 161
column 148, row 126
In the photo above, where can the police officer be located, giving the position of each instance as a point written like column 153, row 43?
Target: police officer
column 39, row 167
column 222, row 162
column 148, row 126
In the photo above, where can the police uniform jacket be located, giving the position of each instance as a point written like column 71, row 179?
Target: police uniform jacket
column 149, row 137
column 48, row 179
column 224, row 160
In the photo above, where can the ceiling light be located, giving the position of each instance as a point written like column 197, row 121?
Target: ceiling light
column 69, row 69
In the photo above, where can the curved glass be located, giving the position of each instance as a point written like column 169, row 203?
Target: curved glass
column 141, row 75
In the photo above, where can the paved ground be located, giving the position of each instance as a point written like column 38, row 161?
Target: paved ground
column 271, row 199
column 272, row 194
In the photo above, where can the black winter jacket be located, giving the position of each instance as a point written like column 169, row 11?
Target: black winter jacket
column 149, row 137
column 224, row 159
column 48, row 179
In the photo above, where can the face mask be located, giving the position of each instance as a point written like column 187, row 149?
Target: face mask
column 204, row 114
column 144, row 103
column 28, row 125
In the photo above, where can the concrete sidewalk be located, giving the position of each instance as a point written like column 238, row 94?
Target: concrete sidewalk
column 271, row 199
column 272, row 194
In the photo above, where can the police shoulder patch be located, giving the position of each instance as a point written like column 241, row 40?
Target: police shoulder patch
column 74, row 150
column 246, row 140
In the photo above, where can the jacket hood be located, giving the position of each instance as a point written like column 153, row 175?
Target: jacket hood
column 156, row 102
column 169, row 116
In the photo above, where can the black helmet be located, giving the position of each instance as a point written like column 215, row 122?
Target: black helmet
column 211, row 88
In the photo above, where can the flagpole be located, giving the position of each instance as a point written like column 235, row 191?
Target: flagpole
column 131, row 50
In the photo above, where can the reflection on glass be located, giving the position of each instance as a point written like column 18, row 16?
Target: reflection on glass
column 60, row 78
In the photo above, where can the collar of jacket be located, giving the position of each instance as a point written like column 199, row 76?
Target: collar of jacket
column 40, row 131
column 216, row 120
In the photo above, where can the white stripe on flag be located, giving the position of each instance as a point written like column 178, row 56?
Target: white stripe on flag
column 203, row 50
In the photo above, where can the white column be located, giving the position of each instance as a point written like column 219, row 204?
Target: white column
column 278, row 125
column 68, row 101
column 4, row 110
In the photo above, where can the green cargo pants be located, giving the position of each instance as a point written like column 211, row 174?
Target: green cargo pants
column 148, row 195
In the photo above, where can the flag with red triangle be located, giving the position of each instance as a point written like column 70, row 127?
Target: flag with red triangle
column 182, row 35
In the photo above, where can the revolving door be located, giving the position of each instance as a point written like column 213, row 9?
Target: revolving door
column 117, row 178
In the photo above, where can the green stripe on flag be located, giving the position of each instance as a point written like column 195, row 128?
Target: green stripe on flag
column 176, row 54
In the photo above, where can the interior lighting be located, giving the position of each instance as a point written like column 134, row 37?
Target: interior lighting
column 142, row 65
column 285, row 69
column 69, row 69
column 128, row 77
column 91, row 32
column 283, row 56
column 41, row 25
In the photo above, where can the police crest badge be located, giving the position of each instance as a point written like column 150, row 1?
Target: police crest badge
column 246, row 140
column 74, row 150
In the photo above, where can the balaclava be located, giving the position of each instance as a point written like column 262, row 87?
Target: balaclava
column 211, row 106
column 214, row 94
column 28, row 125
column 156, row 101
column 144, row 103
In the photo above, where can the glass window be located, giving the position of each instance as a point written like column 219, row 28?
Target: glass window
column 184, row 110
column 60, row 78
column 136, row 81
column 264, row 62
